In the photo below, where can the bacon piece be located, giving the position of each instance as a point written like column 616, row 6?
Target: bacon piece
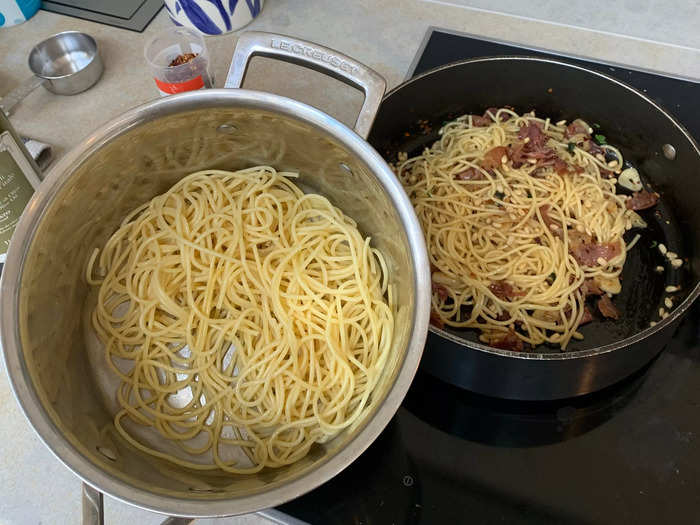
column 435, row 319
column 592, row 147
column 516, row 153
column 508, row 341
column 544, row 211
column 560, row 166
column 503, row 316
column 590, row 287
column 577, row 127
column 535, row 147
column 546, row 315
column 504, row 116
column 481, row 122
column 470, row 174
column 545, row 155
column 641, row 200
column 587, row 252
column 587, row 316
column 504, row 290
column 492, row 158
column 534, row 132
column 440, row 290
column 519, row 154
column 607, row 308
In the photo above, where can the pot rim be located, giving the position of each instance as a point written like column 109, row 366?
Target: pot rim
column 59, row 174
column 677, row 313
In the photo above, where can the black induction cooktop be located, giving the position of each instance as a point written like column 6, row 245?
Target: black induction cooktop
column 627, row 454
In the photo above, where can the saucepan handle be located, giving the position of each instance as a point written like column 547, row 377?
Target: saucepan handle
column 312, row 56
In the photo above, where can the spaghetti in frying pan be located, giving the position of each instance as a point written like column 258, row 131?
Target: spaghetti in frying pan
column 523, row 223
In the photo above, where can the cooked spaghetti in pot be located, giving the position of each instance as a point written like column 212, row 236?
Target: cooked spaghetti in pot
column 238, row 311
column 522, row 222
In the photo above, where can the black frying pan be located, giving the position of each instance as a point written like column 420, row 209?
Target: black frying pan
column 408, row 121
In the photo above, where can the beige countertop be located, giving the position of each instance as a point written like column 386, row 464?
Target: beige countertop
column 385, row 35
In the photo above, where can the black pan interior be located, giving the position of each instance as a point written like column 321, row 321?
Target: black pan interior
column 411, row 115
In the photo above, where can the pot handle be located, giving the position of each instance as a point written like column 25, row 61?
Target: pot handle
column 93, row 509
column 312, row 56
column 14, row 97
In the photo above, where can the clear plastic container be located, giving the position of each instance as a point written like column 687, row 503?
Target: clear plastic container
column 179, row 61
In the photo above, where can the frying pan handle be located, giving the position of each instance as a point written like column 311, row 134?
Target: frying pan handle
column 9, row 101
column 312, row 56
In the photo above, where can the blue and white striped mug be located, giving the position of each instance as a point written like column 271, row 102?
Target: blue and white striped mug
column 213, row 17
column 13, row 12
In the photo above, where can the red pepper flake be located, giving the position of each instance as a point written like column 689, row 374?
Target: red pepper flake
column 183, row 59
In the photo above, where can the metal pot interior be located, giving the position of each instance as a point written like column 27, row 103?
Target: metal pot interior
column 123, row 166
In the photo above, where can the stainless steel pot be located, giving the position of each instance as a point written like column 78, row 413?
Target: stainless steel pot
column 130, row 160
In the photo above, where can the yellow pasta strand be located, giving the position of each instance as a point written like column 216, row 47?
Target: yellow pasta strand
column 486, row 226
column 265, row 304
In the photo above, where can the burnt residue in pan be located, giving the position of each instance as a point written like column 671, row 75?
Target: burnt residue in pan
column 647, row 274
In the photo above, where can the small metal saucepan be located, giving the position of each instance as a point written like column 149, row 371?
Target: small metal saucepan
column 66, row 63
